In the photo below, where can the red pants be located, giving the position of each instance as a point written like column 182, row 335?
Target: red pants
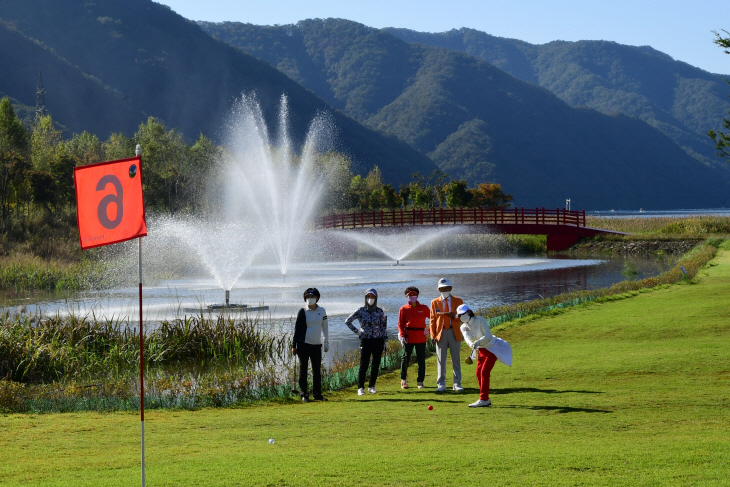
column 485, row 364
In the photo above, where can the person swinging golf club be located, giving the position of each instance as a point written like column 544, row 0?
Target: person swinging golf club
column 373, row 333
column 310, row 327
column 478, row 336
column 412, row 331
column 446, row 333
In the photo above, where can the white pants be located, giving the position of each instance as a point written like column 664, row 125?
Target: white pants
column 448, row 342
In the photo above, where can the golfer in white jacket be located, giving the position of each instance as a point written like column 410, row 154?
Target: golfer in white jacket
column 477, row 335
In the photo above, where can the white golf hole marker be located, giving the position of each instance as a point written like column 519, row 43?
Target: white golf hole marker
column 271, row 441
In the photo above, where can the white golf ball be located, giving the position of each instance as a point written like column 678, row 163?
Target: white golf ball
column 271, row 441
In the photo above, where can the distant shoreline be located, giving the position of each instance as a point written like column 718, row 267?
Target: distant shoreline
column 659, row 213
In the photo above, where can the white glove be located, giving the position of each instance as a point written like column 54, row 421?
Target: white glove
column 326, row 346
column 403, row 340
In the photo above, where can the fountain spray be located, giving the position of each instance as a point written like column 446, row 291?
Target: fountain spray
column 267, row 182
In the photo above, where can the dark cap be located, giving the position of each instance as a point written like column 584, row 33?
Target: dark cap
column 312, row 291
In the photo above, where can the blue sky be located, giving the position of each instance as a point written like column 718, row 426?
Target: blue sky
column 680, row 28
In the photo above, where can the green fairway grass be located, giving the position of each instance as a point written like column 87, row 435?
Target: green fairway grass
column 629, row 392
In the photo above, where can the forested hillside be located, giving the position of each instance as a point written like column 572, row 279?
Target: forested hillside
column 477, row 121
column 80, row 100
column 108, row 65
column 682, row 101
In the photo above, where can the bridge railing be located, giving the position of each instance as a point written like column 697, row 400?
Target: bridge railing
column 454, row 216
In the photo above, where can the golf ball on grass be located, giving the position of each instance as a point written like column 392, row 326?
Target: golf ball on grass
column 271, row 441
column 430, row 408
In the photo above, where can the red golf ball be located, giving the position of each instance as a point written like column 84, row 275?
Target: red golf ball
column 430, row 408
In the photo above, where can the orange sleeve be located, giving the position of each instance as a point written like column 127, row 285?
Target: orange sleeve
column 434, row 317
column 401, row 323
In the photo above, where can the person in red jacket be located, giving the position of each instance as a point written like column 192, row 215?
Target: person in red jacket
column 413, row 330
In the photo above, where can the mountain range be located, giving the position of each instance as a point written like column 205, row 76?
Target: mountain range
column 108, row 65
column 680, row 100
column 481, row 122
column 401, row 100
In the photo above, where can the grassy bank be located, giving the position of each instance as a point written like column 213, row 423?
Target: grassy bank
column 22, row 272
column 670, row 227
column 685, row 269
column 627, row 392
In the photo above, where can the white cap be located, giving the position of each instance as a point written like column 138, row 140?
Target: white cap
column 443, row 282
column 462, row 309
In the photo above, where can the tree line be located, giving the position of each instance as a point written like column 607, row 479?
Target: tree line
column 433, row 191
column 36, row 165
column 37, row 162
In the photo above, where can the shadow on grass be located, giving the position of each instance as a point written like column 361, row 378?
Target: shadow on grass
column 534, row 389
column 407, row 398
column 557, row 409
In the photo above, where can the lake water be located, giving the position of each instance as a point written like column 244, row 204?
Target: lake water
column 480, row 282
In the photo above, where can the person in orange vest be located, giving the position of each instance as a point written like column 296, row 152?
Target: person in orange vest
column 412, row 331
column 445, row 331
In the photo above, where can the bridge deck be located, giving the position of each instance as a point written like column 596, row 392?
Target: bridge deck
column 563, row 227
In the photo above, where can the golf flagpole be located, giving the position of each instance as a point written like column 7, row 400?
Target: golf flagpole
column 116, row 186
column 138, row 152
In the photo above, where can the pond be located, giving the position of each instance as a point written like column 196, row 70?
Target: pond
column 480, row 282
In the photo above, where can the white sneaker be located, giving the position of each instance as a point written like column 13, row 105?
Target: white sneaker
column 458, row 388
column 420, row 385
column 481, row 404
column 361, row 392
column 441, row 388
column 372, row 390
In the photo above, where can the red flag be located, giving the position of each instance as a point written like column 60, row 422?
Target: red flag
column 110, row 207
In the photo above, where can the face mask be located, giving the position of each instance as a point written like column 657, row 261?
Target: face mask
column 371, row 301
column 311, row 301
column 412, row 299
column 465, row 318
column 445, row 294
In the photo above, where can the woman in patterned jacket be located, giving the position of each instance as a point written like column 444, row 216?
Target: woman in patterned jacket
column 373, row 335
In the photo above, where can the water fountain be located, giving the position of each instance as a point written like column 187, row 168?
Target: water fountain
column 397, row 242
column 269, row 185
column 268, row 198
column 226, row 255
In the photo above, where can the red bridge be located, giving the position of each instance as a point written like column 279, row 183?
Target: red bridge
column 562, row 227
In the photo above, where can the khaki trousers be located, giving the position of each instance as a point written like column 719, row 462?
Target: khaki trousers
column 448, row 343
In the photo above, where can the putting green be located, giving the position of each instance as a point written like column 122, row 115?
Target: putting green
column 628, row 392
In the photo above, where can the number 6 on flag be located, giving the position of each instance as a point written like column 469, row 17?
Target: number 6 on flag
column 110, row 206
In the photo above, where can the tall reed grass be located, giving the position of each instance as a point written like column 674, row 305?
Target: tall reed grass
column 86, row 347
column 22, row 273
column 691, row 226
column 184, row 389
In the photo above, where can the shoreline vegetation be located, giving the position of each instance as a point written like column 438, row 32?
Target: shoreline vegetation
column 54, row 366
column 23, row 271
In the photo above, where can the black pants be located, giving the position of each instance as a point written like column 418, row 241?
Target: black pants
column 368, row 347
column 420, row 357
column 307, row 353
